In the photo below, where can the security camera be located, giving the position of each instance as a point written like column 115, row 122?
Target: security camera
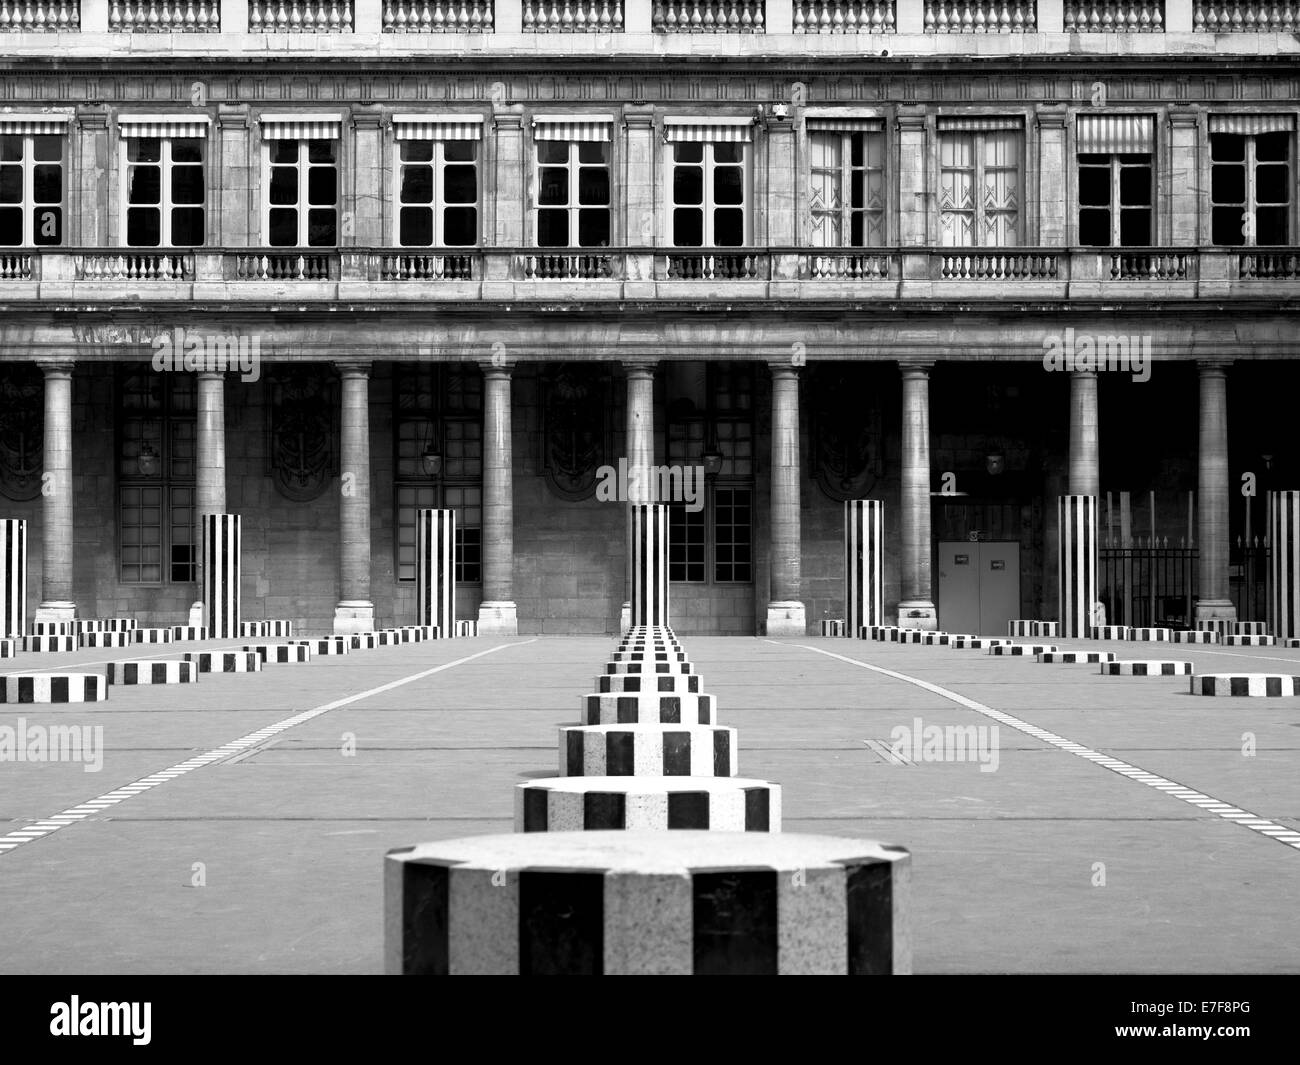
column 780, row 111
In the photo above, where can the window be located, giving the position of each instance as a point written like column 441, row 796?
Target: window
column 301, row 193
column 1250, row 184
column 156, row 472
column 708, row 194
column 1115, row 200
column 440, row 409
column 979, row 184
column 31, row 189
column 164, row 192
column 437, row 193
column 573, row 194
column 711, row 407
column 847, row 187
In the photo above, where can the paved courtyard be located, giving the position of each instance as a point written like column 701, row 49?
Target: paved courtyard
column 1075, row 854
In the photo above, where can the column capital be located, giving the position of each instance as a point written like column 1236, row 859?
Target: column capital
column 55, row 367
column 919, row 368
column 639, row 116
column 92, row 116
column 783, row 368
column 1208, row 367
column 210, row 375
column 507, row 120
column 367, row 117
column 911, row 117
column 353, row 367
column 1051, row 116
column 640, row 367
column 1083, row 375
column 496, row 367
column 231, row 116
column 1184, row 116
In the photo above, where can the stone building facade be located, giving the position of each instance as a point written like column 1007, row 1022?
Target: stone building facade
column 321, row 264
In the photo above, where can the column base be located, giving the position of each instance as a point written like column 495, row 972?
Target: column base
column 197, row 619
column 786, row 619
column 56, row 610
column 625, row 617
column 498, row 619
column 918, row 614
column 1209, row 609
column 353, row 616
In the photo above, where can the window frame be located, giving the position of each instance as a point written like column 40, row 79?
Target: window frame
column 302, row 205
column 1116, row 207
column 573, row 166
column 707, row 205
column 26, row 201
column 1251, row 204
column 846, row 169
column 978, row 170
column 438, row 204
column 165, row 206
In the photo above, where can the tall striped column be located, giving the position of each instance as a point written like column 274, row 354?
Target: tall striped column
column 1284, row 564
column 13, row 590
column 1078, row 563
column 864, row 540
column 435, row 570
column 221, row 548
column 649, row 541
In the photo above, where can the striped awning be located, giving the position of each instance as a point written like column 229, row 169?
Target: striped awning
column 846, row 124
column 978, row 123
column 13, row 123
column 1274, row 123
column 709, row 130
column 573, row 127
column 438, row 127
column 163, row 125
column 1116, row 133
column 302, row 127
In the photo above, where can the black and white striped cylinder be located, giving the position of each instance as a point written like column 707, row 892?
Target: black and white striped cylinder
column 1023, row 649
column 174, row 672
column 189, row 632
column 327, row 645
column 1155, row 668
column 8, row 648
column 106, row 639
column 647, row 751
column 466, row 628
column 648, row 540
column 13, row 590
column 659, row 803
column 50, row 643
column 53, row 687
column 222, row 542
column 1284, row 564
column 115, row 624
column 152, row 635
column 648, row 682
column 1219, row 626
column 1077, row 558
column 631, row 903
column 1250, row 628
column 649, row 667
column 1242, row 639
column 864, row 548
column 435, row 569
column 225, row 661
column 1194, row 636
column 1092, row 657
column 834, row 628
column 650, row 708
column 272, row 653
column 54, row 628
column 1256, row 685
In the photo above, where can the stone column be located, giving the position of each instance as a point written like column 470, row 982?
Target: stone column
column 355, row 612
column 1184, row 188
column 1212, row 496
column 1053, row 177
column 639, row 444
column 235, row 208
column 640, row 228
column 916, row 608
column 785, row 609
column 91, row 178
column 508, row 198
column 782, row 201
column 210, row 465
column 370, row 175
column 913, row 211
column 497, row 614
column 1084, row 463
column 56, row 496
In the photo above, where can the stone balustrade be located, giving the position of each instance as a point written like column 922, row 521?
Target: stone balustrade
column 1253, row 16
column 844, row 16
column 1109, row 16
column 439, row 16
column 164, row 16
column 708, row 16
column 39, row 16
column 300, row 16
column 572, row 16
column 980, row 16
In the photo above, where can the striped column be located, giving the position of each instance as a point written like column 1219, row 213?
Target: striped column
column 864, row 541
column 1284, row 564
column 221, row 547
column 435, row 570
column 13, row 590
column 649, row 542
column 1078, row 563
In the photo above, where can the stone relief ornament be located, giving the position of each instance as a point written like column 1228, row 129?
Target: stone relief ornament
column 302, row 445
column 575, row 436
column 22, row 429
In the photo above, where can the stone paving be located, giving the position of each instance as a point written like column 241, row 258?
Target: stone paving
column 269, row 858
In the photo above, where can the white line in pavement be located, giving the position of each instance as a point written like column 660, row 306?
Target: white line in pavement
column 42, row 828
column 1232, row 814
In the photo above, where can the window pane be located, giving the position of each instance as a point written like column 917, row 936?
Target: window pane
column 688, row 227
column 1094, row 227
column 1228, row 184
column 460, row 184
column 593, row 185
column 1094, row 186
column 283, row 227
column 322, row 186
column 284, row 184
column 1269, row 147
column 728, row 153
column 1272, row 184
column 593, row 228
column 1227, row 147
column 1271, row 226
column 688, row 184
column 47, row 225
column 284, row 151
column 417, row 184
column 11, row 226
column 728, row 185
column 321, row 151
column 187, row 184
column 1227, row 226
column 553, row 228
column 1135, row 228
column 593, row 151
column 11, row 147
column 187, row 150
column 728, row 227
column 553, row 186
column 187, row 227
column 321, row 227
column 143, row 150
column 552, row 151
column 688, row 152
column 416, row 151
column 11, row 184
column 145, row 184
column 415, row 227
column 460, row 226
column 459, row 151
column 1135, row 185
column 143, row 227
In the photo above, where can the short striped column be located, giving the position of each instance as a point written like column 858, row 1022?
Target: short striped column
column 106, row 639
column 50, row 643
column 225, row 661
column 53, row 687
column 831, row 627
column 221, row 557
column 864, row 541
column 649, row 540
column 1284, row 564
column 152, row 635
column 633, row 903
column 13, row 581
column 435, row 569
column 271, row 653
column 189, row 632
column 1078, row 563
column 466, row 628
column 173, row 672
column 1255, row 685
